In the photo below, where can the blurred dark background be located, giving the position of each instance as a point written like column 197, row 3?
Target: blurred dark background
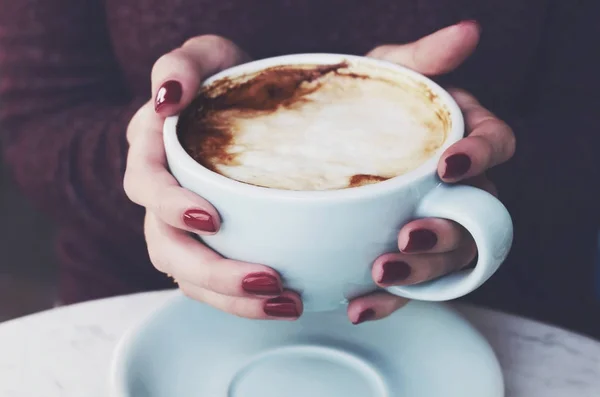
column 27, row 264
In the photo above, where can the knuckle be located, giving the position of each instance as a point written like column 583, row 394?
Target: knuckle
column 498, row 138
column 129, row 185
column 176, row 62
column 206, row 39
column 239, row 307
column 379, row 52
column 131, row 127
column 142, row 121
column 161, row 263
column 163, row 59
column 220, row 51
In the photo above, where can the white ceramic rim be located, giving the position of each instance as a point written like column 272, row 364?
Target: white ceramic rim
column 184, row 161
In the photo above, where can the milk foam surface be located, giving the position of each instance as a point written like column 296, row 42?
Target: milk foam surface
column 345, row 131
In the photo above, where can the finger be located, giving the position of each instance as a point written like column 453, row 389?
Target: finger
column 187, row 260
column 374, row 306
column 288, row 306
column 482, row 182
column 402, row 269
column 143, row 119
column 438, row 53
column 148, row 183
column 431, row 235
column 177, row 76
column 490, row 142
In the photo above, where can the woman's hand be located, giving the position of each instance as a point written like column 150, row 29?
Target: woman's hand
column 173, row 213
column 430, row 248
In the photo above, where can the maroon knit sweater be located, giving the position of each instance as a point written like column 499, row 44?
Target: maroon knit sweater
column 73, row 72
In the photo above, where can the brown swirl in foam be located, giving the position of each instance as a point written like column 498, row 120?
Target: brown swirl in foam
column 362, row 179
column 205, row 129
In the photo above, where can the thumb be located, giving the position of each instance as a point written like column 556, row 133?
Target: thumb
column 436, row 54
column 177, row 76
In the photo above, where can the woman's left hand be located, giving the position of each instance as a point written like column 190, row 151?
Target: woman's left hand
column 430, row 248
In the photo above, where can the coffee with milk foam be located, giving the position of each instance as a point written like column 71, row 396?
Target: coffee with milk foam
column 314, row 127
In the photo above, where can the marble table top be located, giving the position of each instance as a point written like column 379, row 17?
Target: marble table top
column 66, row 352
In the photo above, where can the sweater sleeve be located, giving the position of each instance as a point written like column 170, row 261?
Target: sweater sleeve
column 64, row 112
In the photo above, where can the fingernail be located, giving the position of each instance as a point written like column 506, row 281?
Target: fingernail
column 365, row 315
column 261, row 284
column 457, row 165
column 199, row 220
column 394, row 272
column 168, row 94
column 420, row 240
column 281, row 307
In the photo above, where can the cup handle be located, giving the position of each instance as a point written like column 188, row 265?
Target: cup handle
column 490, row 224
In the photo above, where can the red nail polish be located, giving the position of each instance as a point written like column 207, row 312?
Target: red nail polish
column 168, row 94
column 457, row 165
column 199, row 220
column 281, row 307
column 394, row 272
column 261, row 284
column 420, row 240
column 365, row 315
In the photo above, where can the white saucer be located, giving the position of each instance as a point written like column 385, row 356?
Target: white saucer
column 188, row 349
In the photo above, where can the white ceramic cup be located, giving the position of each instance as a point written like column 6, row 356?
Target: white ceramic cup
column 323, row 243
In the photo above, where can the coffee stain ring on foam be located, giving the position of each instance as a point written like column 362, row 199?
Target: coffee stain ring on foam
column 378, row 67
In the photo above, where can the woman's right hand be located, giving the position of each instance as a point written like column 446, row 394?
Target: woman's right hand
column 174, row 214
